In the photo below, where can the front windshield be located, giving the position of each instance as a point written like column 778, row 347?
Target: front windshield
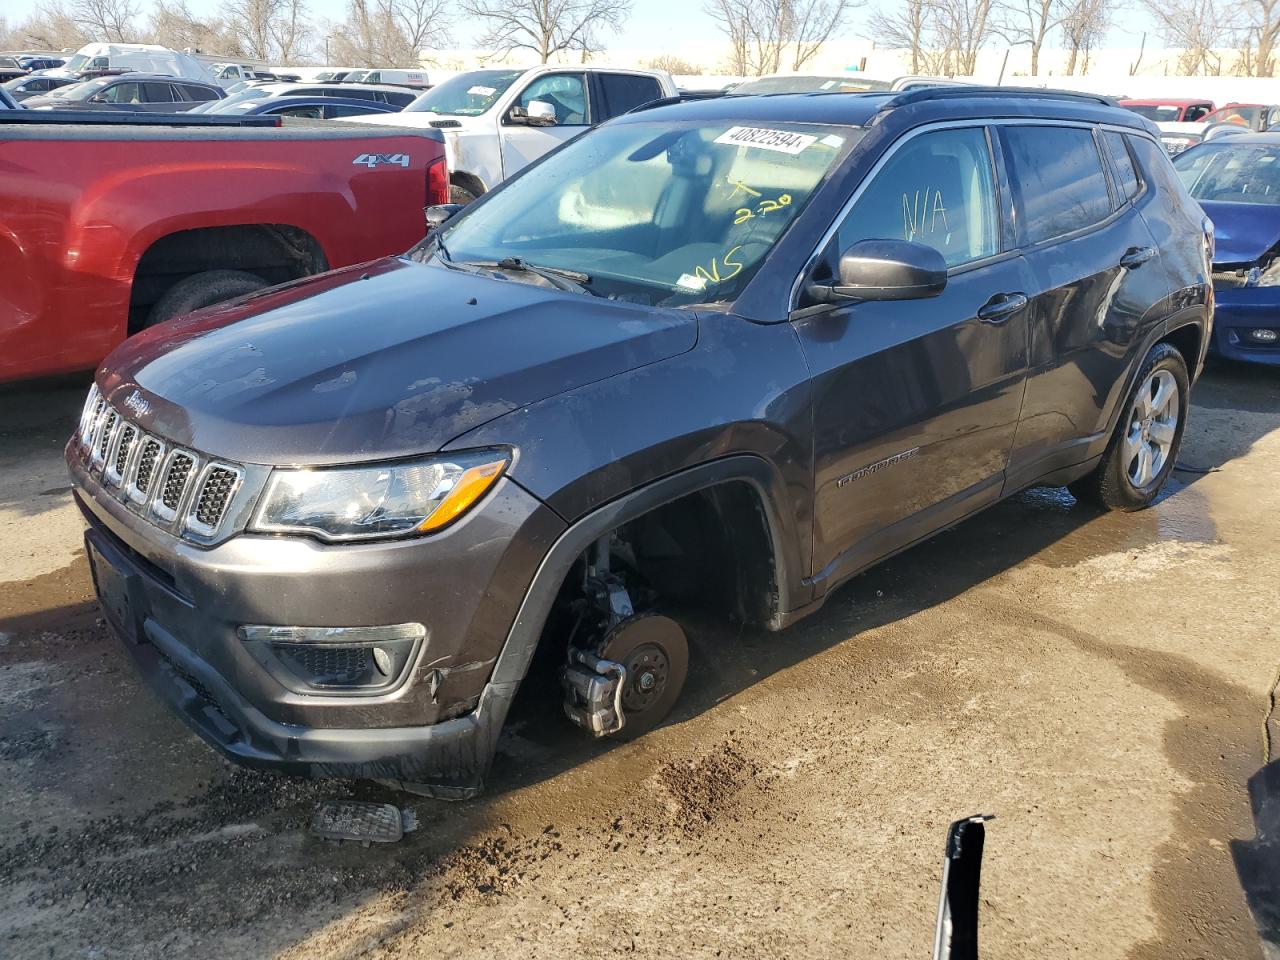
column 808, row 85
column 237, row 101
column 356, row 76
column 466, row 95
column 75, row 63
column 655, row 213
column 1155, row 111
column 84, row 89
column 1231, row 173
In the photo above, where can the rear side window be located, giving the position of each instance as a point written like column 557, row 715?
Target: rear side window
column 398, row 99
column 346, row 110
column 1121, row 165
column 625, row 91
column 197, row 93
column 1057, row 179
column 937, row 189
column 157, row 93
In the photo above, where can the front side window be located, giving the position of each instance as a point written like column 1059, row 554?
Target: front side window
column 655, row 213
column 1057, row 178
column 1197, row 112
column 309, row 113
column 567, row 94
column 123, row 93
column 1231, row 173
column 937, row 189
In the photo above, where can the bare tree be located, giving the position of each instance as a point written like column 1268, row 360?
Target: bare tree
column 545, row 27
column 962, row 29
column 273, row 30
column 49, row 27
column 173, row 25
column 765, row 35
column 111, row 20
column 381, row 33
column 1084, row 26
column 290, row 31
column 1260, row 35
column 1030, row 22
column 677, row 66
column 1199, row 28
column 905, row 26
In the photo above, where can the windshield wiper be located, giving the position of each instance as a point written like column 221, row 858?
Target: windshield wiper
column 570, row 280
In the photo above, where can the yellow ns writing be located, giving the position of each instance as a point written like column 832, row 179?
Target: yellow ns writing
column 920, row 213
column 714, row 275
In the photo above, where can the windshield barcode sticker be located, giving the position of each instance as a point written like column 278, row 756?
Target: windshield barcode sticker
column 781, row 141
column 482, row 91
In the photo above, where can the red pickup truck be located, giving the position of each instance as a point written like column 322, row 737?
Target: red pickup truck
column 107, row 228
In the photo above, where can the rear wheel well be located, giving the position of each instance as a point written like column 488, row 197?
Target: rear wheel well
column 1187, row 341
column 275, row 252
column 468, row 182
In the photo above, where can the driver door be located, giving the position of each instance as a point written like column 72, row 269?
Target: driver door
column 567, row 95
column 916, row 402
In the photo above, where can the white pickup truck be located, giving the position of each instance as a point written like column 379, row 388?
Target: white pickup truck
column 496, row 121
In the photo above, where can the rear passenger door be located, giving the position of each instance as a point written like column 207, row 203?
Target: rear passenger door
column 915, row 402
column 619, row 93
column 1097, row 276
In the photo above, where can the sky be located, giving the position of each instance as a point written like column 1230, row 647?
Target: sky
column 650, row 25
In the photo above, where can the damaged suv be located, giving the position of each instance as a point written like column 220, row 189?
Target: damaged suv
column 728, row 352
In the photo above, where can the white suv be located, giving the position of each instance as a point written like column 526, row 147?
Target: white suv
column 496, row 121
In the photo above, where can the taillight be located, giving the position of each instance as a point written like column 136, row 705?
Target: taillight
column 437, row 182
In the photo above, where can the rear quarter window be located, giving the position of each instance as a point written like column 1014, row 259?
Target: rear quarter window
column 1126, row 176
column 1057, row 179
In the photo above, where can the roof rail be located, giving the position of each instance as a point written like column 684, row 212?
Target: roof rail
column 685, row 97
column 921, row 94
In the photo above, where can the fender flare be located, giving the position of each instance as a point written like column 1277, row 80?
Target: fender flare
column 758, row 473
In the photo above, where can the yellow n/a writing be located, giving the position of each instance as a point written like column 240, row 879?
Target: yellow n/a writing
column 714, row 275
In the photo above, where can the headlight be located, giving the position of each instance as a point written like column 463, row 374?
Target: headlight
column 378, row 501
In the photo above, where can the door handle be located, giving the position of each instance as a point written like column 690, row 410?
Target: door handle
column 1001, row 307
column 1135, row 257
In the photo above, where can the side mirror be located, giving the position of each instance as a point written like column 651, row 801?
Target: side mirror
column 541, row 113
column 440, row 214
column 98, row 98
column 885, row 270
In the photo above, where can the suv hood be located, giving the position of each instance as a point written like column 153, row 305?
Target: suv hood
column 389, row 359
column 1243, row 232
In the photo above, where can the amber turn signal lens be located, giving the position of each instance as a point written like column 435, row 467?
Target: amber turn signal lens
column 471, row 486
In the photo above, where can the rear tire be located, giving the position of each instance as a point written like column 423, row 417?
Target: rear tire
column 203, row 290
column 460, row 195
column 1144, row 447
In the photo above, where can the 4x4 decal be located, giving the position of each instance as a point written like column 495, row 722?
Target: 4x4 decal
column 374, row 160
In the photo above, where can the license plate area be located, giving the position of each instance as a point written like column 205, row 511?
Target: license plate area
column 114, row 594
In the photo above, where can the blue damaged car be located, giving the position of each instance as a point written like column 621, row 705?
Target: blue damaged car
column 1237, row 182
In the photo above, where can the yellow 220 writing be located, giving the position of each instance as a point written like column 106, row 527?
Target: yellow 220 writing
column 743, row 214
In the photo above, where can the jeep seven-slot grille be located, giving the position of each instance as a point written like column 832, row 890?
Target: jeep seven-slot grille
column 172, row 487
column 175, row 480
column 146, row 464
column 128, row 434
column 215, row 493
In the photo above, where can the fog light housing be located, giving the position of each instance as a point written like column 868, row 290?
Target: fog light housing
column 1264, row 335
column 337, row 660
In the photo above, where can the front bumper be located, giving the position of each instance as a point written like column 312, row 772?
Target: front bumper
column 177, row 606
column 1237, row 313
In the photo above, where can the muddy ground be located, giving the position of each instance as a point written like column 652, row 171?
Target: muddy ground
column 1101, row 683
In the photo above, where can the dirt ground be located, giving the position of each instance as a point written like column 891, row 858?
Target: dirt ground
column 1101, row 683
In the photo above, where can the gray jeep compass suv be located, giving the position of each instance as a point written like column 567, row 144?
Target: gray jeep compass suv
column 728, row 351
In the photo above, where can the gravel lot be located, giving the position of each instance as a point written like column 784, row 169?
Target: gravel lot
column 1102, row 683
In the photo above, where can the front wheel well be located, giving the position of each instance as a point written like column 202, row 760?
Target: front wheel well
column 275, row 252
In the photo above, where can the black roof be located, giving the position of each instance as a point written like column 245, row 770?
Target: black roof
column 925, row 103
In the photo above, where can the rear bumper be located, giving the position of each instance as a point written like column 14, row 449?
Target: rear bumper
column 1237, row 314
